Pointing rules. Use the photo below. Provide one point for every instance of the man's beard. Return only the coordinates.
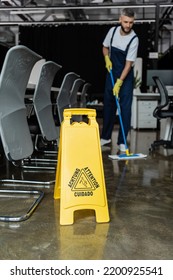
(126, 32)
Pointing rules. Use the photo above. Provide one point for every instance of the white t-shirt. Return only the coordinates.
(121, 42)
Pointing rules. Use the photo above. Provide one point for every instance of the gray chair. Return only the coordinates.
(84, 92)
(15, 134)
(74, 92)
(14, 130)
(63, 97)
(43, 105)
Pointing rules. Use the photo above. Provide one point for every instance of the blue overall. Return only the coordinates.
(118, 58)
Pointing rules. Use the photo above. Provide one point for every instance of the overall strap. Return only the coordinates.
(130, 42)
(113, 35)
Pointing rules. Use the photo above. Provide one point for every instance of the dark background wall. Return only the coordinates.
(3, 50)
(78, 48)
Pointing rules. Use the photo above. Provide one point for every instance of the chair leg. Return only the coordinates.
(15, 182)
(49, 148)
(167, 144)
(25, 216)
(32, 163)
(172, 138)
(24, 169)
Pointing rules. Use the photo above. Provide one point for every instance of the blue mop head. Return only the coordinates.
(127, 157)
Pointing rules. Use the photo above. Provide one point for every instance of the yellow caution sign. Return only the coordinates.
(80, 182)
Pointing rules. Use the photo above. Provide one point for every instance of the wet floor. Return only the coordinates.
(140, 203)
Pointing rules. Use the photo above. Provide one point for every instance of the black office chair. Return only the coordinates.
(163, 110)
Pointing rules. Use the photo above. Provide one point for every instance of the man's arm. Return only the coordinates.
(105, 51)
(119, 81)
(126, 70)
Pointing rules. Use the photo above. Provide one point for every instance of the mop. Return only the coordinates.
(127, 154)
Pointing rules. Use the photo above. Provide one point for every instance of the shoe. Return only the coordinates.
(104, 141)
(122, 147)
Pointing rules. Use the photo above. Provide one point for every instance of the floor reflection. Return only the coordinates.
(140, 201)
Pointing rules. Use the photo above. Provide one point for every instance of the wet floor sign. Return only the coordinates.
(80, 182)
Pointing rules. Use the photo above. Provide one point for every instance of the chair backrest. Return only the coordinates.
(35, 73)
(164, 98)
(85, 88)
(63, 97)
(42, 101)
(74, 91)
(14, 130)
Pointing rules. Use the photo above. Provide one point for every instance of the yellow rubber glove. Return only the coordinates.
(108, 63)
(117, 87)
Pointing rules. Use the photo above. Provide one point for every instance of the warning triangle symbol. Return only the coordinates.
(83, 182)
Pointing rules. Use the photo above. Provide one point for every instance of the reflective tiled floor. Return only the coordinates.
(140, 201)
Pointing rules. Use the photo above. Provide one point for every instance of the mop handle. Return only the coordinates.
(119, 112)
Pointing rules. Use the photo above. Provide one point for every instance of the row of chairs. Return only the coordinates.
(15, 132)
(67, 97)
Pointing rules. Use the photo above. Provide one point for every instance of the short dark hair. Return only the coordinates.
(127, 12)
